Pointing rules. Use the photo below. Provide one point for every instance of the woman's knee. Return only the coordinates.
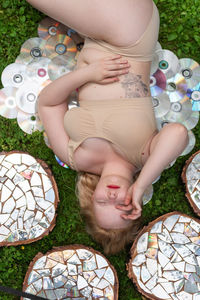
(179, 130)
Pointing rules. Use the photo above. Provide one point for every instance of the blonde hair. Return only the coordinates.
(112, 240)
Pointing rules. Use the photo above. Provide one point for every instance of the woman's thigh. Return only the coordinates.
(119, 22)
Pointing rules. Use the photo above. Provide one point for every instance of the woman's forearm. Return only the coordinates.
(58, 91)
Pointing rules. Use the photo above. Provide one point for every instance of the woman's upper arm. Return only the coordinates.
(53, 121)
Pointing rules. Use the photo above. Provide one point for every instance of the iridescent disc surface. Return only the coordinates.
(191, 144)
(14, 75)
(26, 97)
(194, 95)
(33, 48)
(73, 272)
(60, 65)
(49, 27)
(29, 123)
(179, 111)
(37, 69)
(192, 121)
(165, 257)
(28, 198)
(190, 70)
(161, 105)
(154, 64)
(176, 88)
(60, 45)
(8, 107)
(157, 83)
(147, 195)
(168, 62)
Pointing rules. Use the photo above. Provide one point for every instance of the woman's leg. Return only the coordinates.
(116, 21)
(165, 147)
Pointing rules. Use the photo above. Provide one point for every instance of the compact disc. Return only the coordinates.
(20, 60)
(29, 122)
(158, 46)
(192, 121)
(33, 48)
(161, 122)
(60, 65)
(170, 164)
(73, 100)
(154, 64)
(179, 111)
(176, 88)
(14, 75)
(78, 40)
(8, 107)
(38, 69)
(168, 62)
(61, 163)
(26, 96)
(194, 95)
(60, 45)
(49, 27)
(191, 143)
(190, 70)
(161, 105)
(157, 83)
(46, 140)
(148, 194)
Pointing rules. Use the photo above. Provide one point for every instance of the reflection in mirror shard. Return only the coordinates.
(38, 285)
(44, 272)
(179, 227)
(101, 262)
(33, 277)
(58, 256)
(168, 286)
(166, 249)
(195, 226)
(46, 183)
(89, 276)
(59, 281)
(152, 253)
(170, 222)
(142, 243)
(35, 179)
(84, 254)
(50, 294)
(72, 269)
(191, 259)
(195, 240)
(97, 293)
(58, 269)
(8, 206)
(162, 259)
(37, 167)
(95, 282)
(86, 291)
(178, 285)
(153, 241)
(159, 291)
(50, 196)
(173, 275)
(196, 198)
(81, 282)
(189, 231)
(139, 259)
(47, 283)
(27, 174)
(179, 238)
(50, 263)
(109, 276)
(18, 178)
(165, 236)
(190, 287)
(145, 275)
(152, 282)
(184, 296)
(191, 185)
(192, 173)
(180, 266)
(74, 260)
(182, 250)
(151, 265)
(67, 254)
(5, 194)
(50, 213)
(143, 287)
(9, 184)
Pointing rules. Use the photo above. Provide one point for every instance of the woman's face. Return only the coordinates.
(110, 191)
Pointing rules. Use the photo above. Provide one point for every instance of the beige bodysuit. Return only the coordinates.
(128, 123)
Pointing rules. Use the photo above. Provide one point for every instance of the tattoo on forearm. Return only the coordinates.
(134, 86)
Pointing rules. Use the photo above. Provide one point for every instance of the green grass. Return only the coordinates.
(179, 32)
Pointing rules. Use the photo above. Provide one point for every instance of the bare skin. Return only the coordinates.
(98, 77)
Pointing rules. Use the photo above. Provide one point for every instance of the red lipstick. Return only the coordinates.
(113, 186)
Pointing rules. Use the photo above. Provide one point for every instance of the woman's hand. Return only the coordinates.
(132, 203)
(108, 70)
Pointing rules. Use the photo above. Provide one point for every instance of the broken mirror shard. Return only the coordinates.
(191, 178)
(165, 261)
(28, 198)
(60, 274)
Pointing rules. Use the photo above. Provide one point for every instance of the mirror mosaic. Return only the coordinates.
(191, 178)
(165, 258)
(28, 199)
(72, 272)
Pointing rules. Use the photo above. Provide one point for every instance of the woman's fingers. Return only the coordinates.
(124, 207)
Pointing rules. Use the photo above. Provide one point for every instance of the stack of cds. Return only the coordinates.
(41, 60)
(175, 90)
